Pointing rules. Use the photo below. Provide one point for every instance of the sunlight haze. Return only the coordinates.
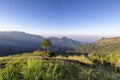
(61, 17)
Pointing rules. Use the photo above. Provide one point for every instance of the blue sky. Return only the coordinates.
(61, 17)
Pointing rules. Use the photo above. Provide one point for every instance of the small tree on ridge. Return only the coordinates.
(46, 43)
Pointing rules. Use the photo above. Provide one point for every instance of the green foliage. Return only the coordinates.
(103, 52)
(0, 74)
(39, 70)
(12, 71)
(35, 69)
(92, 74)
(96, 48)
(46, 43)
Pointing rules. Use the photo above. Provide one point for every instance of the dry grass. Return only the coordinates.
(39, 52)
(118, 63)
(81, 58)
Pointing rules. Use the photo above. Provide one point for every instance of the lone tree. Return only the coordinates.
(46, 43)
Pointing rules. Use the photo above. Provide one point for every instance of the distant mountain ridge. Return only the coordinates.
(64, 41)
(104, 45)
(108, 40)
(18, 42)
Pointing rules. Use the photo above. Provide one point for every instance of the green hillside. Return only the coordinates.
(101, 63)
(39, 66)
(108, 40)
(104, 45)
(104, 50)
(99, 48)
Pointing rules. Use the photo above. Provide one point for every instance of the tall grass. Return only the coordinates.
(81, 58)
(39, 70)
(36, 69)
(57, 69)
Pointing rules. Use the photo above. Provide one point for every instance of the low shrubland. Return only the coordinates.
(37, 69)
(39, 66)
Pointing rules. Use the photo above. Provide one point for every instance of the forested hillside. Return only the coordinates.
(97, 48)
(19, 42)
(104, 45)
(108, 40)
(104, 50)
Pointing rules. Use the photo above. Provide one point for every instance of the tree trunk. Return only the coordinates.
(48, 50)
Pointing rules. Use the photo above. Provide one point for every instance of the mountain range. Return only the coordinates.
(19, 42)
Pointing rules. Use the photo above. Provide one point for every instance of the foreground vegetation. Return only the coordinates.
(38, 66)
(54, 70)
(38, 70)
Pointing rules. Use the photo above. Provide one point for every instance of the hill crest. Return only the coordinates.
(108, 40)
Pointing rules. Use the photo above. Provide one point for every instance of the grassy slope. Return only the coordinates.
(31, 66)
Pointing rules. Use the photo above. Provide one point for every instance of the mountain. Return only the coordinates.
(104, 45)
(64, 41)
(108, 40)
(18, 42)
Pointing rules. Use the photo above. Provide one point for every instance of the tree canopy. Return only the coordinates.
(46, 43)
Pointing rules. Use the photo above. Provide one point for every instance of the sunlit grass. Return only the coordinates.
(29, 66)
(39, 70)
(81, 58)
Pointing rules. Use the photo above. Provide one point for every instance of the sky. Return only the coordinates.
(61, 17)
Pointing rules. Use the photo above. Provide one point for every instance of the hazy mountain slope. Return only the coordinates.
(64, 41)
(104, 45)
(108, 40)
(17, 42)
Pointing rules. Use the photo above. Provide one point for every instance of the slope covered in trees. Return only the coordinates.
(104, 45)
(104, 50)
(108, 40)
(98, 48)
(19, 42)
